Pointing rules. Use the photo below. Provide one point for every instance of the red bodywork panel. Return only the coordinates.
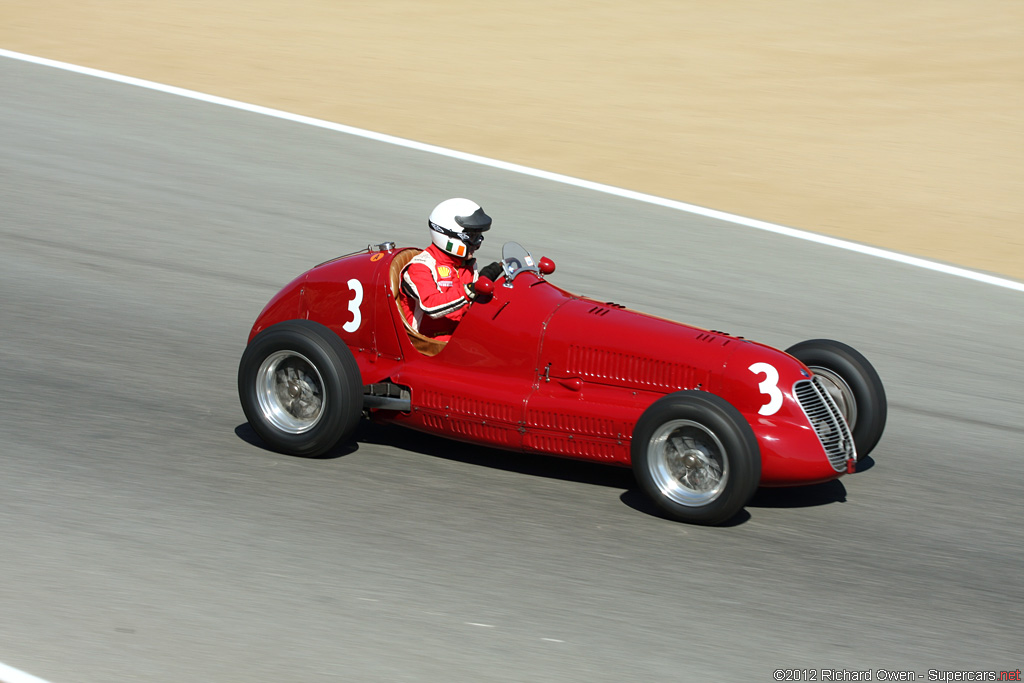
(538, 369)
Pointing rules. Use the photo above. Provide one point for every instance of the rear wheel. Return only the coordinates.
(852, 382)
(696, 457)
(300, 388)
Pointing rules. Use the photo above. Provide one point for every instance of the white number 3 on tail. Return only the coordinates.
(353, 306)
(769, 387)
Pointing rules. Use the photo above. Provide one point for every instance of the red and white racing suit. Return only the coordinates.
(433, 296)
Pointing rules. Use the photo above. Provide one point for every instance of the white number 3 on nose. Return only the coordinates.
(769, 387)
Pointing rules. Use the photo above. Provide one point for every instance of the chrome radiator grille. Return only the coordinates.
(827, 421)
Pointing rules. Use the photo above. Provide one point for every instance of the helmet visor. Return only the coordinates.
(478, 220)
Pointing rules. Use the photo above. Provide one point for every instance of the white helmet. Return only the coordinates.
(457, 226)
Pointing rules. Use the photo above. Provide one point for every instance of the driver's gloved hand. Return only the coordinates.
(492, 271)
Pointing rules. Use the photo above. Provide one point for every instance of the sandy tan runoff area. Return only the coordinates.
(898, 124)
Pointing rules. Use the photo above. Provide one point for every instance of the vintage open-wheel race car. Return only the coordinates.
(702, 417)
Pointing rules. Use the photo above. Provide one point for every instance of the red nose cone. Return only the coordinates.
(546, 265)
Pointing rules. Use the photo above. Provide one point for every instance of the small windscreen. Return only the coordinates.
(515, 259)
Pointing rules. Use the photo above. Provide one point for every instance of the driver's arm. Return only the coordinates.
(436, 301)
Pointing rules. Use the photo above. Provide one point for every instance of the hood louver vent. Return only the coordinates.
(623, 368)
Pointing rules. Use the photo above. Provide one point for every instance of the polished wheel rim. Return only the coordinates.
(840, 392)
(688, 462)
(290, 392)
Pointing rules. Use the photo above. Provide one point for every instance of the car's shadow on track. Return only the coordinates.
(564, 469)
(800, 496)
(246, 433)
(415, 442)
(864, 464)
(788, 497)
(530, 464)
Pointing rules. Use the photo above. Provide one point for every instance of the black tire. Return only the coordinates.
(696, 457)
(300, 388)
(853, 382)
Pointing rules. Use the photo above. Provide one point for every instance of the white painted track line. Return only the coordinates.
(525, 170)
(9, 674)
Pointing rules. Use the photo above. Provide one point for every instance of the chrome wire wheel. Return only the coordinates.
(290, 392)
(840, 392)
(300, 388)
(688, 462)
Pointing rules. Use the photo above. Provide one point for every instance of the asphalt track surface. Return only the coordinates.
(147, 536)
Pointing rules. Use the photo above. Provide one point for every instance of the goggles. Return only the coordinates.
(471, 238)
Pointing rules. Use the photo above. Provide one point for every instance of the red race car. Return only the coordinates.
(702, 417)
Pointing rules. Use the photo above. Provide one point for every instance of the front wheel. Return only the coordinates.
(300, 388)
(696, 457)
(852, 382)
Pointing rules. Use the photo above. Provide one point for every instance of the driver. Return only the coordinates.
(437, 285)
